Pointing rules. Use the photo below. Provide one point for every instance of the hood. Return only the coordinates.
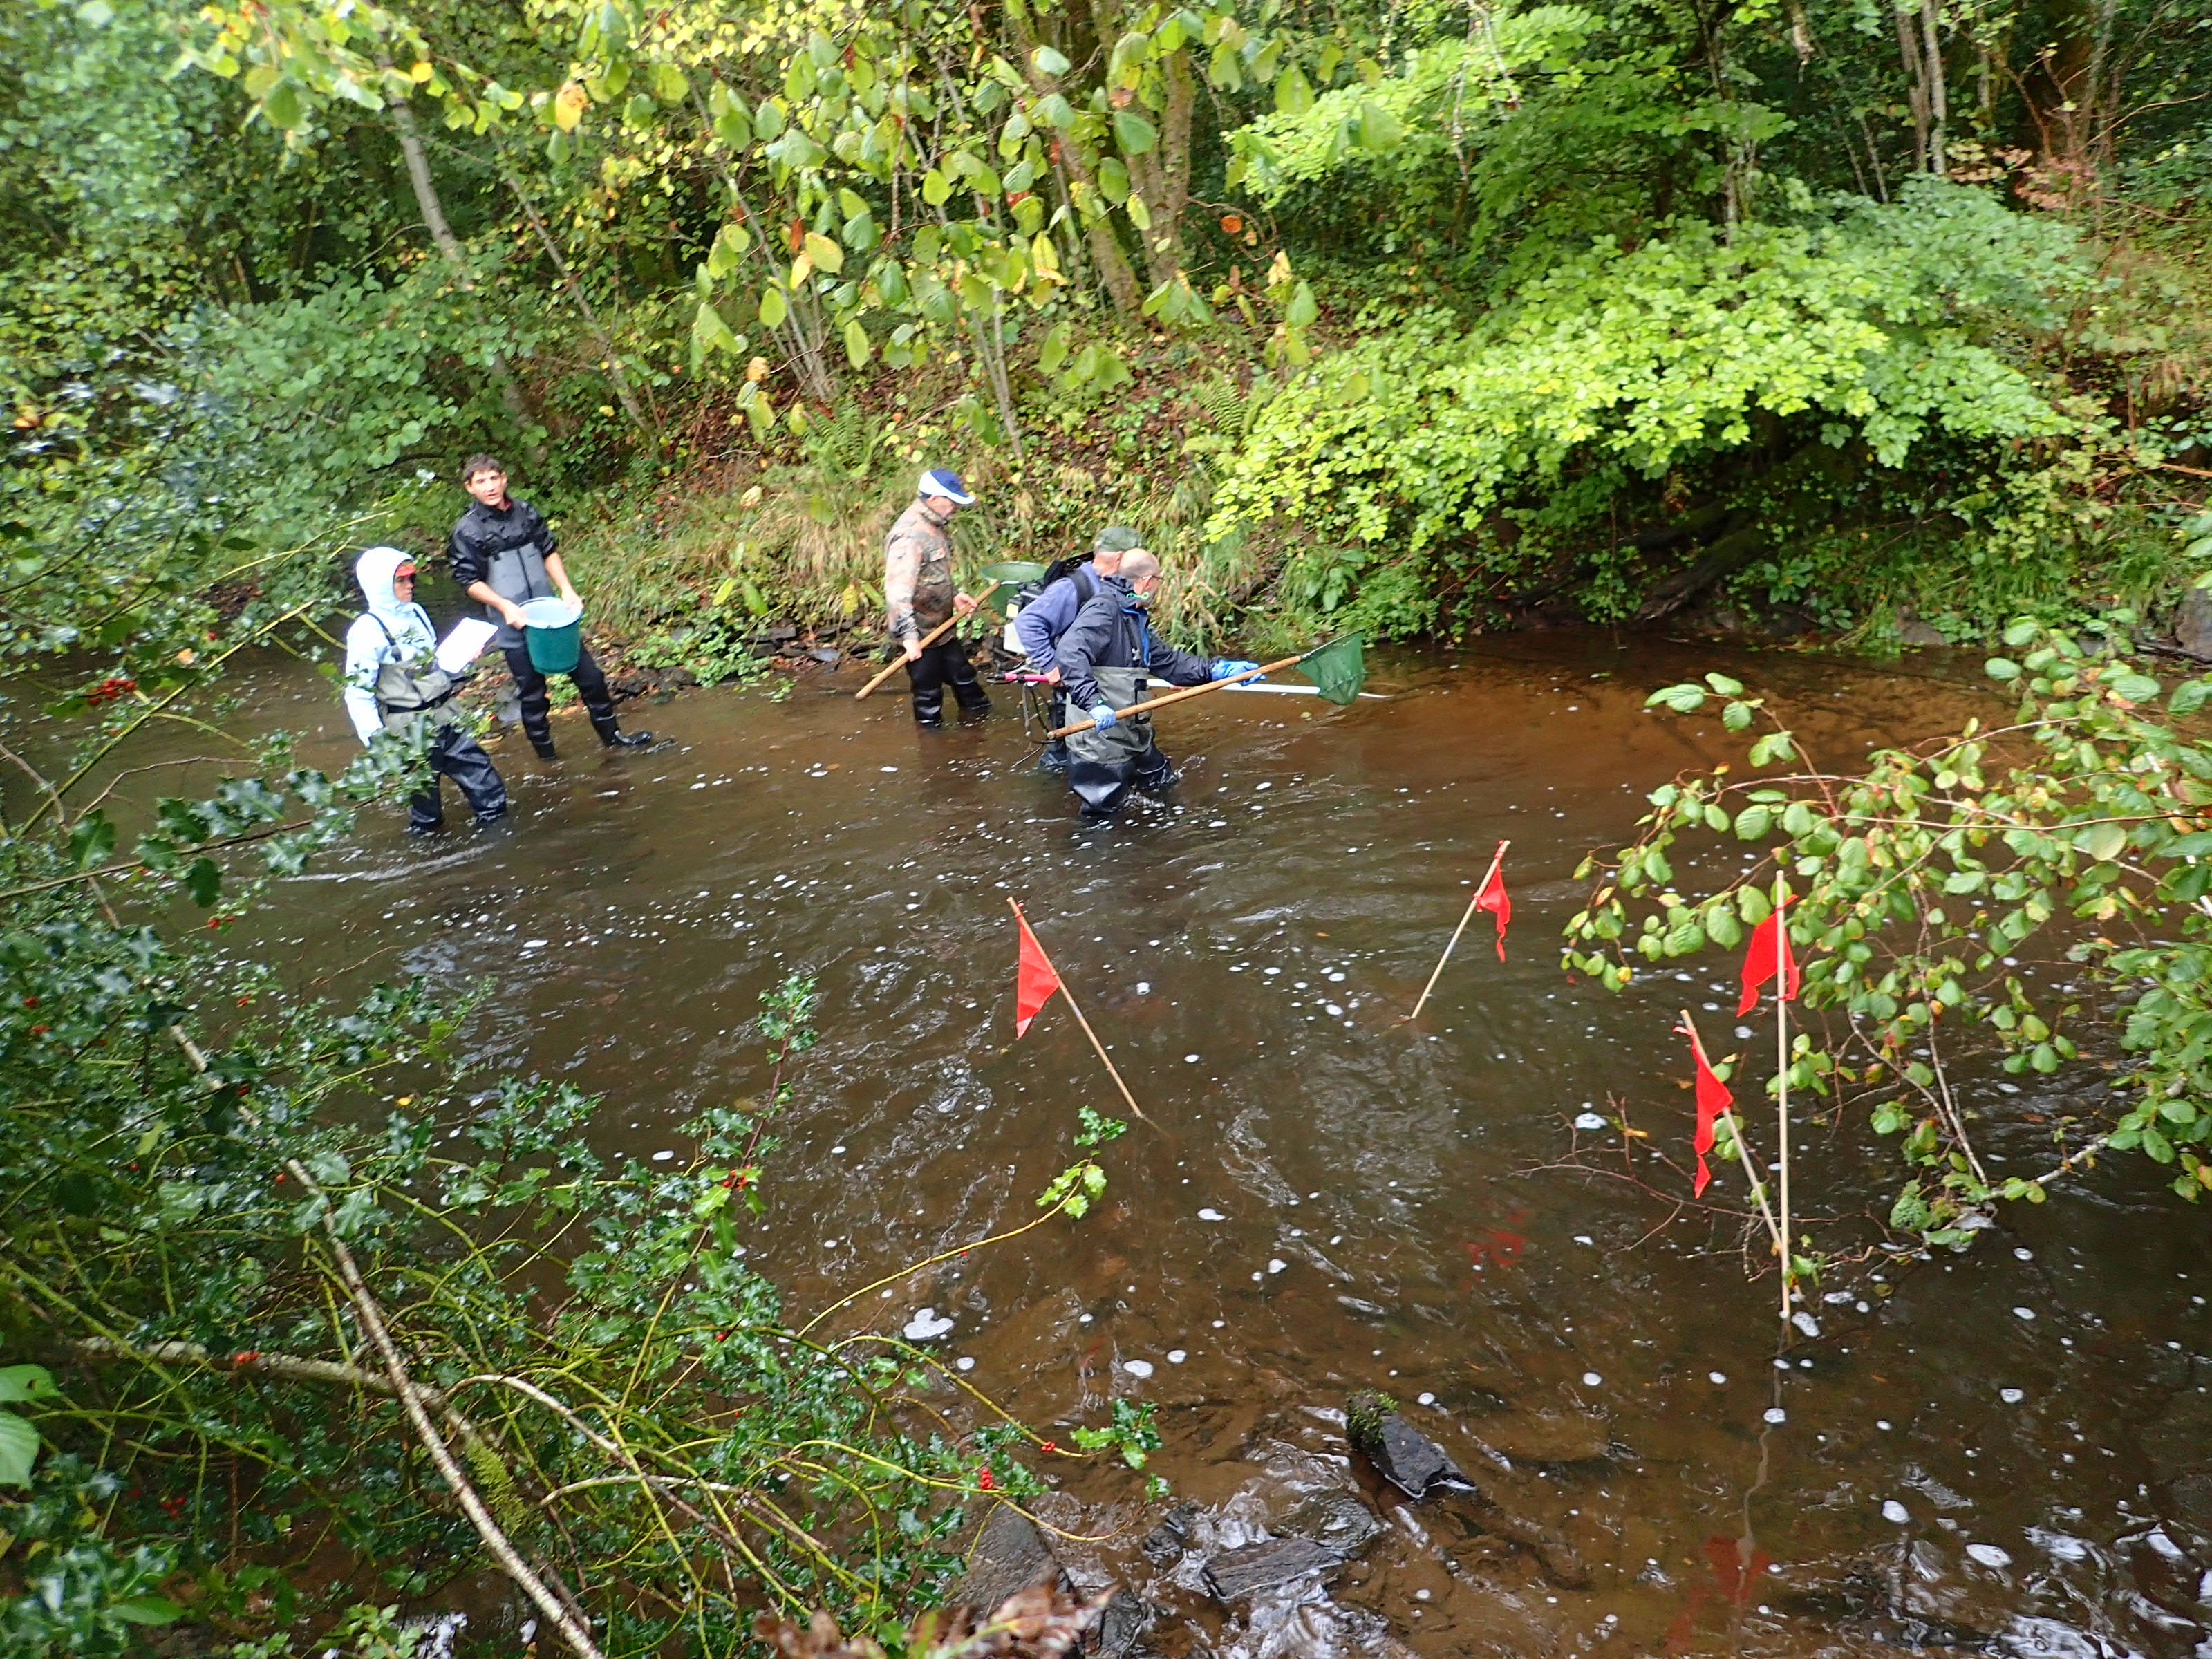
(373, 570)
(1118, 586)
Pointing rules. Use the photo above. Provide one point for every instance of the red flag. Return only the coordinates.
(1034, 977)
(1768, 939)
(1713, 1099)
(1494, 899)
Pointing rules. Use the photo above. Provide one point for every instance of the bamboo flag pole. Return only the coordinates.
(900, 661)
(1453, 943)
(1782, 1073)
(1187, 691)
(1742, 1147)
(1074, 1009)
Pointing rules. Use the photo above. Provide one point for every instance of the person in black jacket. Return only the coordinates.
(1105, 657)
(504, 554)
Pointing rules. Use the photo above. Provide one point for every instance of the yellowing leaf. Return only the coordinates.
(826, 254)
(568, 105)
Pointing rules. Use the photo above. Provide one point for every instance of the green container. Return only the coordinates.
(1007, 577)
(553, 635)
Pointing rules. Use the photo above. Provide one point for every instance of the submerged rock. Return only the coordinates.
(1235, 1574)
(1010, 1554)
(1166, 1542)
(1339, 1521)
(1545, 1437)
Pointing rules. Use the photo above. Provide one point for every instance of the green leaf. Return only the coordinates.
(774, 308)
(1379, 130)
(203, 881)
(856, 345)
(826, 254)
(19, 1450)
(1773, 748)
(1054, 352)
(2002, 668)
(1303, 310)
(1684, 699)
(2135, 687)
(22, 1382)
(282, 107)
(1046, 61)
(2188, 697)
(2105, 841)
(1724, 685)
(1294, 94)
(1133, 134)
(91, 840)
(936, 188)
(147, 1610)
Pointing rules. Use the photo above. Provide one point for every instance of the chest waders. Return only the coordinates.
(413, 703)
(517, 575)
(1103, 766)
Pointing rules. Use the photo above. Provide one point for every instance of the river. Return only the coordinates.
(2005, 1447)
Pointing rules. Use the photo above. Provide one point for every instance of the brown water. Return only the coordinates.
(1335, 1199)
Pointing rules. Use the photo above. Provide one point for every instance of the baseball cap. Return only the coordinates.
(1116, 539)
(943, 481)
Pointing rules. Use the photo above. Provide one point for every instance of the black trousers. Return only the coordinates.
(1054, 758)
(454, 754)
(1103, 786)
(943, 663)
(530, 686)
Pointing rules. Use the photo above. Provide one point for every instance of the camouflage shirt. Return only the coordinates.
(917, 573)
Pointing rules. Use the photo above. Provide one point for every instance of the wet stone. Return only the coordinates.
(1235, 1574)
(1339, 1521)
(1120, 1625)
(1401, 1453)
(2192, 623)
(1010, 1555)
(1166, 1542)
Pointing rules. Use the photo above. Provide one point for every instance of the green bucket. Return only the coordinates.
(1005, 579)
(551, 632)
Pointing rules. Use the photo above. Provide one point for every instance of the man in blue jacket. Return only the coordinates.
(1045, 618)
(1104, 659)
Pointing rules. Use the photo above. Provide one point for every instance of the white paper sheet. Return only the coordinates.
(464, 644)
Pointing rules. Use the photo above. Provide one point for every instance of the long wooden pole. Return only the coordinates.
(1072, 1009)
(1782, 1073)
(1453, 944)
(900, 661)
(1187, 691)
(1742, 1147)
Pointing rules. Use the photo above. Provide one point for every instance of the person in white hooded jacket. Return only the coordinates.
(393, 684)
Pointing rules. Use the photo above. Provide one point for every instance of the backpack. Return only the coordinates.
(1030, 592)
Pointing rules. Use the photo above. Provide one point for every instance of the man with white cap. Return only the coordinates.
(919, 594)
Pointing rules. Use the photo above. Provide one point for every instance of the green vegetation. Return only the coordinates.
(1394, 316)
(2028, 897)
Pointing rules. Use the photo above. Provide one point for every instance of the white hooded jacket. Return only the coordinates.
(387, 632)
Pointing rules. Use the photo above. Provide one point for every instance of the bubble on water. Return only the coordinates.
(927, 1326)
(1276, 1264)
(966, 1362)
(1267, 786)
(535, 943)
(1211, 1215)
(1881, 1423)
(1271, 971)
(1590, 1120)
(1190, 1060)
(1776, 1414)
(890, 769)
(1427, 1400)
(2023, 1313)
(2023, 1253)
(1144, 988)
(2011, 1396)
(1139, 1368)
(1177, 1356)
(662, 1156)
(1332, 1011)
(1716, 1378)
(1989, 1555)
(1584, 1238)
(1336, 979)
(1805, 1322)
(1591, 1379)
(836, 1151)
(1743, 1032)
(1893, 1510)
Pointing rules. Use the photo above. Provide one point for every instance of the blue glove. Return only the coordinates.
(1103, 717)
(1225, 666)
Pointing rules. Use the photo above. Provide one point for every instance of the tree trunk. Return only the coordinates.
(1112, 264)
(1939, 95)
(1916, 71)
(432, 210)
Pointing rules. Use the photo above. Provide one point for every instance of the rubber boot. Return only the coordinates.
(615, 737)
(929, 707)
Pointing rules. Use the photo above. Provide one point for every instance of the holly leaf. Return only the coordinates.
(92, 840)
(203, 881)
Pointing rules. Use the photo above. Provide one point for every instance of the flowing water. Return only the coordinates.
(2004, 1449)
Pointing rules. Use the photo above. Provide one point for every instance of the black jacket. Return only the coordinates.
(1109, 633)
(483, 531)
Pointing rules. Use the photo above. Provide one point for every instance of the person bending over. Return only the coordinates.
(392, 684)
(505, 555)
(1104, 659)
(1065, 588)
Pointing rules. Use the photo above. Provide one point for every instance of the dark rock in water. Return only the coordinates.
(1401, 1453)
(1341, 1521)
(1864, 1604)
(1234, 1574)
(1010, 1554)
(1120, 1625)
(826, 654)
(2192, 622)
(1167, 1542)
